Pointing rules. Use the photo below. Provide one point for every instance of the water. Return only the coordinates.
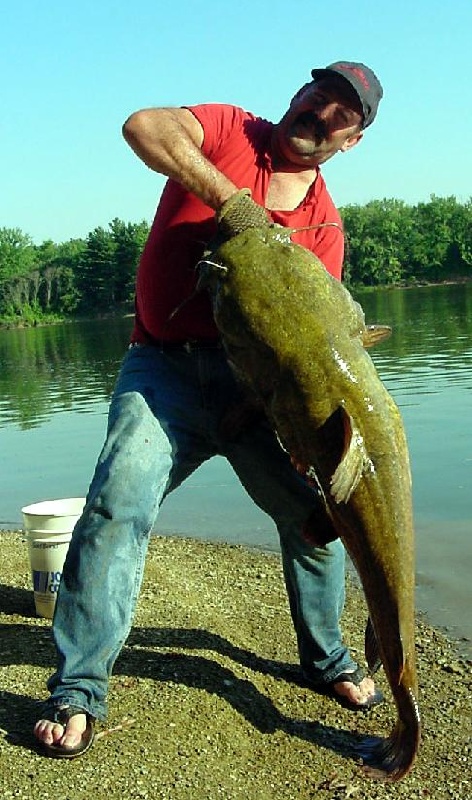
(55, 385)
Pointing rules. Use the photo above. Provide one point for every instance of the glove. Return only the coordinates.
(236, 215)
(239, 213)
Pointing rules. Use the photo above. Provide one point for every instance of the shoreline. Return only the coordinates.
(352, 288)
(459, 641)
(209, 677)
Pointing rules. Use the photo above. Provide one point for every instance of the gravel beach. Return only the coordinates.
(204, 700)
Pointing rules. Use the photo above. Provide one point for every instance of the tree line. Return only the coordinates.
(51, 281)
(388, 242)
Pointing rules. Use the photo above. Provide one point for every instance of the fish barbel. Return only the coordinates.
(295, 335)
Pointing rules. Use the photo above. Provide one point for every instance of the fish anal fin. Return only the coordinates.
(354, 462)
(398, 661)
(371, 648)
(373, 334)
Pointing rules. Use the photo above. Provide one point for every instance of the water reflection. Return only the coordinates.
(431, 346)
(58, 368)
(71, 366)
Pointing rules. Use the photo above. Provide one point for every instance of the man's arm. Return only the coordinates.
(169, 141)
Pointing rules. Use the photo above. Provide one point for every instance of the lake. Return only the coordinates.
(56, 382)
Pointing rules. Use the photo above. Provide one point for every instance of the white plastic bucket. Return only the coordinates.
(47, 554)
(53, 515)
(49, 525)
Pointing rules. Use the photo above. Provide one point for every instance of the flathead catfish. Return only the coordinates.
(296, 336)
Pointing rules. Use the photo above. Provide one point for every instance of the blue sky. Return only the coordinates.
(72, 73)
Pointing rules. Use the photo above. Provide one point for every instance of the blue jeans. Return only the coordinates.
(164, 421)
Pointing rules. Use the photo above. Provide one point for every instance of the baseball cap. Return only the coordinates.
(364, 82)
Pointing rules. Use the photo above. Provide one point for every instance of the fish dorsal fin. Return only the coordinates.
(354, 462)
(373, 334)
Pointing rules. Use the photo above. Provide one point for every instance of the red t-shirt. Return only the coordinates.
(238, 144)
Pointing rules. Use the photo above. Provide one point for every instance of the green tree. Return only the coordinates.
(96, 275)
(460, 251)
(17, 262)
(59, 266)
(69, 255)
(433, 237)
(375, 252)
(129, 239)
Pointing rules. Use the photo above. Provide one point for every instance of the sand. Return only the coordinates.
(204, 700)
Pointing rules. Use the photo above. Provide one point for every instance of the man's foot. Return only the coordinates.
(352, 689)
(356, 690)
(64, 731)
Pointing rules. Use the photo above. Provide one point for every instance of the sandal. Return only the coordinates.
(356, 678)
(62, 715)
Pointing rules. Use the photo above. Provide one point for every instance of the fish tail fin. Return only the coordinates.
(371, 648)
(392, 758)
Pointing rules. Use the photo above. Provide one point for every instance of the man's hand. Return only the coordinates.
(239, 213)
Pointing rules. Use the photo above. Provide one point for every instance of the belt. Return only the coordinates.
(188, 345)
(191, 345)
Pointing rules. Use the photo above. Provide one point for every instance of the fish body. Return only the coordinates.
(296, 336)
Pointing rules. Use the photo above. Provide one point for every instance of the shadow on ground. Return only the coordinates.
(30, 645)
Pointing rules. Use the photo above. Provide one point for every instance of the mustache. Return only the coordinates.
(310, 118)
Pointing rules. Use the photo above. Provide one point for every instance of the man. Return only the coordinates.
(177, 403)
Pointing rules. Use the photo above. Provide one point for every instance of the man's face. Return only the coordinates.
(324, 117)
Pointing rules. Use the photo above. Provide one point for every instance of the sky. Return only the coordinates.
(72, 72)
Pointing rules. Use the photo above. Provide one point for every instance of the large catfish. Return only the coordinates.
(296, 336)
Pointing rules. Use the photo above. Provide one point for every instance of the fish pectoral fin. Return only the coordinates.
(353, 464)
(373, 334)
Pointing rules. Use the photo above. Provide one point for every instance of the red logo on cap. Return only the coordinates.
(358, 73)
